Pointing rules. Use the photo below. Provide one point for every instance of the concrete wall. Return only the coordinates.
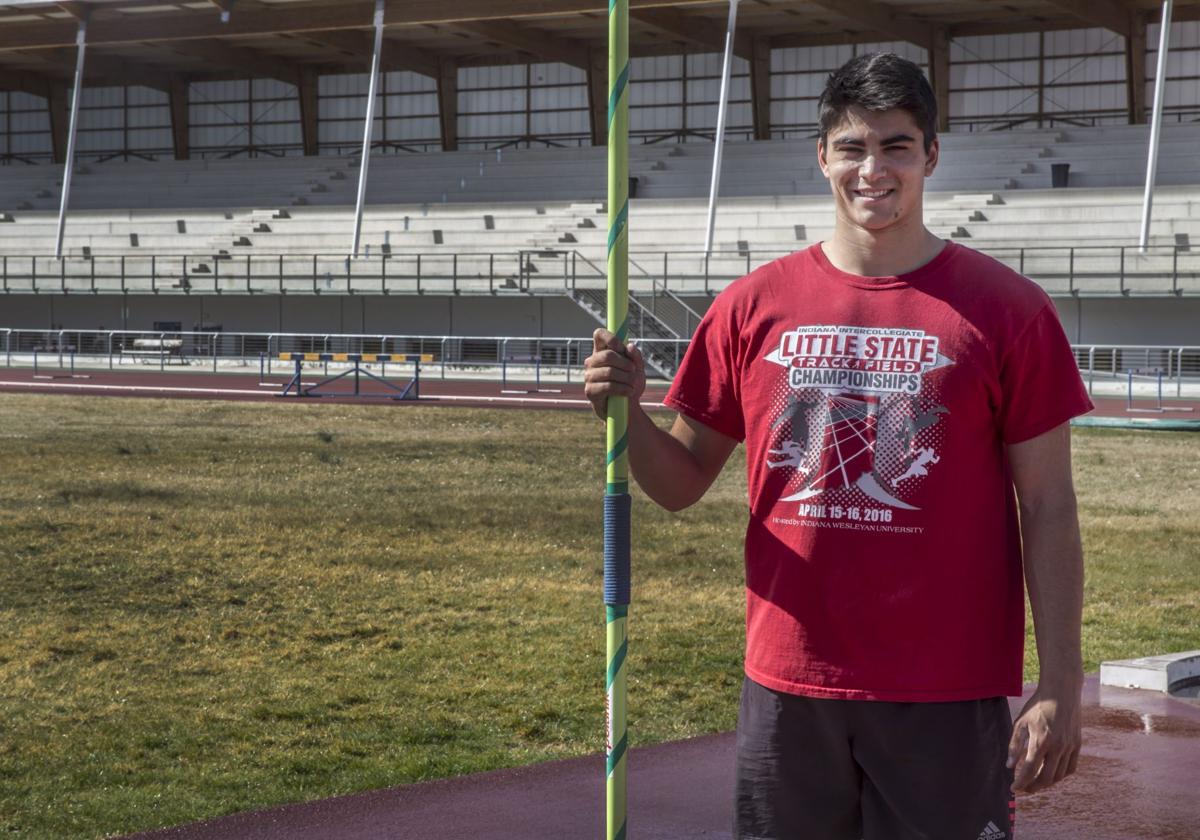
(394, 315)
(1158, 321)
(1155, 321)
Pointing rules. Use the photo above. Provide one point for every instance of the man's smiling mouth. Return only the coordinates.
(873, 193)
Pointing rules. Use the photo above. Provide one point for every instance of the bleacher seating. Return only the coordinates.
(988, 162)
(534, 220)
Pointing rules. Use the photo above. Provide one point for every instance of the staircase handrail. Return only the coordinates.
(647, 314)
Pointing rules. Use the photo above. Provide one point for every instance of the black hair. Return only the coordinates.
(878, 82)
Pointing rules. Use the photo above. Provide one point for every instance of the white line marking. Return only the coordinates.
(159, 389)
(529, 400)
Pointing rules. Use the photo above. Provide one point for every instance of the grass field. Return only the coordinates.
(210, 607)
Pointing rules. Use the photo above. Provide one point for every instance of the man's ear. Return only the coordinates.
(931, 159)
(821, 161)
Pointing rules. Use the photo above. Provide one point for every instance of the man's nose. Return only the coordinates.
(869, 166)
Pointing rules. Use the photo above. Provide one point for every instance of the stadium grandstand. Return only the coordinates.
(215, 156)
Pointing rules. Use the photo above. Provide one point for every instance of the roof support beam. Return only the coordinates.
(760, 87)
(132, 73)
(543, 45)
(935, 39)
(309, 125)
(447, 91)
(105, 69)
(1113, 15)
(700, 32)
(358, 46)
(1135, 71)
(597, 85)
(823, 39)
(59, 106)
(880, 18)
(1017, 25)
(75, 9)
(939, 72)
(180, 99)
(350, 14)
(30, 83)
(250, 62)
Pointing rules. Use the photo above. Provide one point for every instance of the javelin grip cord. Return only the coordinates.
(617, 517)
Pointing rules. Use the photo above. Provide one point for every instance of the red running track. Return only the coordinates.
(1137, 779)
(231, 386)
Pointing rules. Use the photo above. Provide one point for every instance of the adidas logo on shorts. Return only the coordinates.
(991, 832)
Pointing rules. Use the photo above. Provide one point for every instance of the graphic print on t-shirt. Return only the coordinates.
(856, 422)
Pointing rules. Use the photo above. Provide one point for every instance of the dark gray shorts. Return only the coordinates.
(810, 769)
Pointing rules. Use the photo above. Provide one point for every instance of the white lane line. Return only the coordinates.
(165, 389)
(156, 389)
(527, 400)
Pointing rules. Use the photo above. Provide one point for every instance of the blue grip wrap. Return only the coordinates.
(617, 508)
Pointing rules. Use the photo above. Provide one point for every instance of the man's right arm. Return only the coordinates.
(674, 468)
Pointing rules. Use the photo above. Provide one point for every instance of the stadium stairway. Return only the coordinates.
(661, 316)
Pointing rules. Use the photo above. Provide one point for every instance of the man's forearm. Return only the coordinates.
(1054, 575)
(662, 466)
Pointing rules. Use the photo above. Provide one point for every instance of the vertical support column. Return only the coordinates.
(722, 109)
(760, 87)
(180, 100)
(1160, 84)
(447, 91)
(368, 125)
(69, 163)
(1135, 69)
(597, 85)
(306, 91)
(939, 69)
(617, 502)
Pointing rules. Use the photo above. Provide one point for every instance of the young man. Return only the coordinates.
(901, 398)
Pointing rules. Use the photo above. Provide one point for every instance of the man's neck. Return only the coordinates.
(880, 253)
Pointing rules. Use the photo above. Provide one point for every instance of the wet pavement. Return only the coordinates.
(1138, 777)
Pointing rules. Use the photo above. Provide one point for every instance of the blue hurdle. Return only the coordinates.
(1158, 407)
(411, 390)
(536, 361)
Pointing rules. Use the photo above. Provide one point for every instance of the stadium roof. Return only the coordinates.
(152, 41)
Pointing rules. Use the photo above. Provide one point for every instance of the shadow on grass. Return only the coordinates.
(117, 491)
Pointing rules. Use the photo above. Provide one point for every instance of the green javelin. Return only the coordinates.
(616, 498)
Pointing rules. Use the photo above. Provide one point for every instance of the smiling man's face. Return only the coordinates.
(877, 165)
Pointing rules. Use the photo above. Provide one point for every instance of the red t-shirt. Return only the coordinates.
(883, 554)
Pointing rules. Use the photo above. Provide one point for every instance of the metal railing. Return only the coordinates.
(379, 273)
(1099, 270)
(1099, 364)
(1113, 362)
(1085, 270)
(125, 349)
